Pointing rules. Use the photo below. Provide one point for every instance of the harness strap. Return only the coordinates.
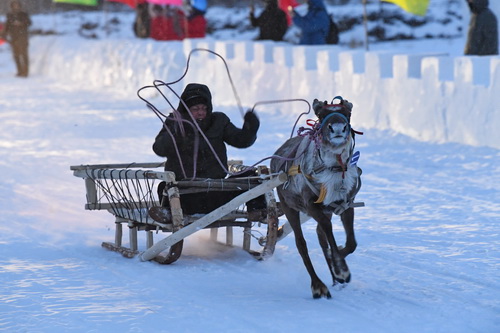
(342, 165)
(296, 169)
(322, 194)
(335, 113)
(339, 207)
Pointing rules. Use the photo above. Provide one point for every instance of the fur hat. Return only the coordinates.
(195, 100)
(195, 93)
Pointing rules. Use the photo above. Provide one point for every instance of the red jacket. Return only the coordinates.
(169, 27)
(159, 28)
(284, 4)
(196, 27)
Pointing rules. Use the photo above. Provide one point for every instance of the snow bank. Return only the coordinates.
(428, 96)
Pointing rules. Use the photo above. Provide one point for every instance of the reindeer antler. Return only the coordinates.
(347, 104)
(317, 106)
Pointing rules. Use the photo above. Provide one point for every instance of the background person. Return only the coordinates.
(158, 23)
(176, 23)
(482, 37)
(314, 25)
(1, 33)
(142, 23)
(196, 22)
(16, 33)
(167, 23)
(272, 21)
(285, 5)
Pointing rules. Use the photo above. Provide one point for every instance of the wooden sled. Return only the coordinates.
(128, 191)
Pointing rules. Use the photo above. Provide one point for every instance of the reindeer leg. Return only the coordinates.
(318, 288)
(323, 242)
(340, 269)
(347, 218)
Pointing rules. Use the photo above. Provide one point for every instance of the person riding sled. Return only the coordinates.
(182, 141)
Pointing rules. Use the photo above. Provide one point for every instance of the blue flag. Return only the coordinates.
(354, 158)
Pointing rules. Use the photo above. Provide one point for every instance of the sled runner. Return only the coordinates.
(129, 192)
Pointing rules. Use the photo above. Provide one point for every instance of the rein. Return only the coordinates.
(314, 133)
(157, 84)
(333, 114)
(321, 186)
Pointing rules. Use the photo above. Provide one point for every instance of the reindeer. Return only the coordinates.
(323, 180)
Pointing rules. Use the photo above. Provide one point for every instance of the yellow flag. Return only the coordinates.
(417, 7)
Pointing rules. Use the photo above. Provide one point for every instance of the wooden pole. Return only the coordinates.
(105, 11)
(118, 234)
(365, 24)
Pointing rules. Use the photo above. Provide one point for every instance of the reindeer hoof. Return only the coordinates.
(318, 295)
(320, 291)
(342, 275)
(343, 279)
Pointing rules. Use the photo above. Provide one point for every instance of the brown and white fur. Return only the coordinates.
(316, 163)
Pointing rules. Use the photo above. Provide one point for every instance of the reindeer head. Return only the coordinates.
(335, 121)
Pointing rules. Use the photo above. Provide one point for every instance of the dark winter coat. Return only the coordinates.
(314, 25)
(482, 38)
(217, 128)
(142, 21)
(16, 27)
(272, 22)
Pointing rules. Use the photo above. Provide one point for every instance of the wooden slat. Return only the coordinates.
(247, 238)
(124, 251)
(213, 234)
(229, 236)
(110, 206)
(124, 174)
(215, 183)
(148, 165)
(118, 234)
(132, 235)
(149, 239)
(91, 190)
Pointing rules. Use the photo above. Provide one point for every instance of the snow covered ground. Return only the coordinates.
(428, 239)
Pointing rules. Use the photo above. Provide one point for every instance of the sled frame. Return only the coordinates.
(134, 212)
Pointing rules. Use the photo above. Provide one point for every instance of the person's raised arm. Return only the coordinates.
(246, 136)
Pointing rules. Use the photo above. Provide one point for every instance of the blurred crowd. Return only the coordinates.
(316, 25)
(187, 20)
(170, 22)
(178, 19)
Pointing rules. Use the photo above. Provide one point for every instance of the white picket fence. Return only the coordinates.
(431, 97)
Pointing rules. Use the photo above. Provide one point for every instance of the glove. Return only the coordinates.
(251, 121)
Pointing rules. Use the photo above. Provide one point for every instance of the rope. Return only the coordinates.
(168, 84)
(252, 231)
(285, 101)
(314, 132)
(157, 84)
